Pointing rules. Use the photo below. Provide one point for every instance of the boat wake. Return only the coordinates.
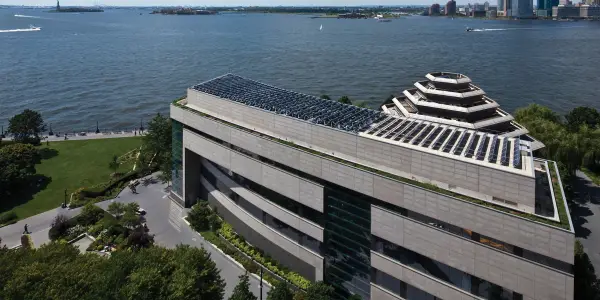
(25, 16)
(21, 30)
(490, 29)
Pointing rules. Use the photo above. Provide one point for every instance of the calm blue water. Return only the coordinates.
(117, 67)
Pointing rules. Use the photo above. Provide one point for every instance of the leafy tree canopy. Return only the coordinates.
(345, 100)
(580, 116)
(326, 97)
(319, 291)
(58, 271)
(242, 289)
(158, 138)
(26, 127)
(17, 165)
(280, 291)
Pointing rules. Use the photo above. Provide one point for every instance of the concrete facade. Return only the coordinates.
(516, 188)
(527, 278)
(276, 211)
(537, 237)
(291, 247)
(259, 145)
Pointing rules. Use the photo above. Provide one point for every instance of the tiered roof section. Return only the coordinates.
(473, 146)
(452, 99)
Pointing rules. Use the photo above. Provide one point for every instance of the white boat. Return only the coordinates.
(321, 28)
(34, 28)
(380, 18)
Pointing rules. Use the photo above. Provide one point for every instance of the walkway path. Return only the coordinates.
(88, 136)
(586, 216)
(164, 218)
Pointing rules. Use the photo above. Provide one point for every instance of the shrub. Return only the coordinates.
(8, 217)
(90, 214)
(199, 216)
(95, 229)
(59, 227)
(74, 232)
(26, 241)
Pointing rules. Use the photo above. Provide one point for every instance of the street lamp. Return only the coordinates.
(97, 129)
(141, 124)
(50, 133)
(260, 284)
(2, 136)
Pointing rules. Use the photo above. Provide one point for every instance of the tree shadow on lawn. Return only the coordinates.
(26, 192)
(47, 153)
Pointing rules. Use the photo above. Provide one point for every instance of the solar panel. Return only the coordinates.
(414, 132)
(382, 125)
(423, 134)
(517, 153)
(482, 148)
(388, 128)
(399, 128)
(430, 138)
(404, 132)
(471, 147)
(441, 139)
(319, 111)
(493, 150)
(462, 142)
(451, 141)
(504, 157)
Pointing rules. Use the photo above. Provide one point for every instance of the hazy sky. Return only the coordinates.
(223, 2)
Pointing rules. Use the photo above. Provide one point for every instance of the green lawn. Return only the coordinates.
(71, 165)
(594, 176)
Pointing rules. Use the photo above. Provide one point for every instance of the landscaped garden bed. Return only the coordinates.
(121, 227)
(219, 233)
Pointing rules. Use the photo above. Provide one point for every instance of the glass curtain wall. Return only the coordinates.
(177, 157)
(348, 244)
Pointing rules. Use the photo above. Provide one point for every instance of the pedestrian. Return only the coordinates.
(47, 143)
(26, 231)
(135, 132)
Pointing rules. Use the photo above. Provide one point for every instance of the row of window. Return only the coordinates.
(272, 222)
(455, 277)
(399, 287)
(476, 237)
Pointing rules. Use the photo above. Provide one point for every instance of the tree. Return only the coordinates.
(362, 104)
(117, 209)
(59, 227)
(345, 100)
(280, 291)
(58, 271)
(587, 285)
(26, 127)
(242, 289)
(199, 216)
(326, 97)
(157, 141)
(535, 111)
(17, 165)
(582, 116)
(114, 164)
(165, 168)
(355, 297)
(319, 291)
(90, 215)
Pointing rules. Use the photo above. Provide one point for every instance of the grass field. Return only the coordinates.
(70, 165)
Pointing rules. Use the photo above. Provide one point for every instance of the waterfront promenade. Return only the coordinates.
(88, 136)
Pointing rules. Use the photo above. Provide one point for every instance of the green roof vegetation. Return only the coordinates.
(563, 223)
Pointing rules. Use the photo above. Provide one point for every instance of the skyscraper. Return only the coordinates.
(501, 5)
(486, 6)
(521, 9)
(451, 8)
(434, 9)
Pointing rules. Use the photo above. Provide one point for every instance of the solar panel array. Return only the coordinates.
(436, 137)
(449, 139)
(309, 108)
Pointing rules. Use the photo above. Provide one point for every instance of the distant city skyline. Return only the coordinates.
(227, 2)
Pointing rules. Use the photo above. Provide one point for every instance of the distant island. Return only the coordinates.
(183, 11)
(75, 9)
